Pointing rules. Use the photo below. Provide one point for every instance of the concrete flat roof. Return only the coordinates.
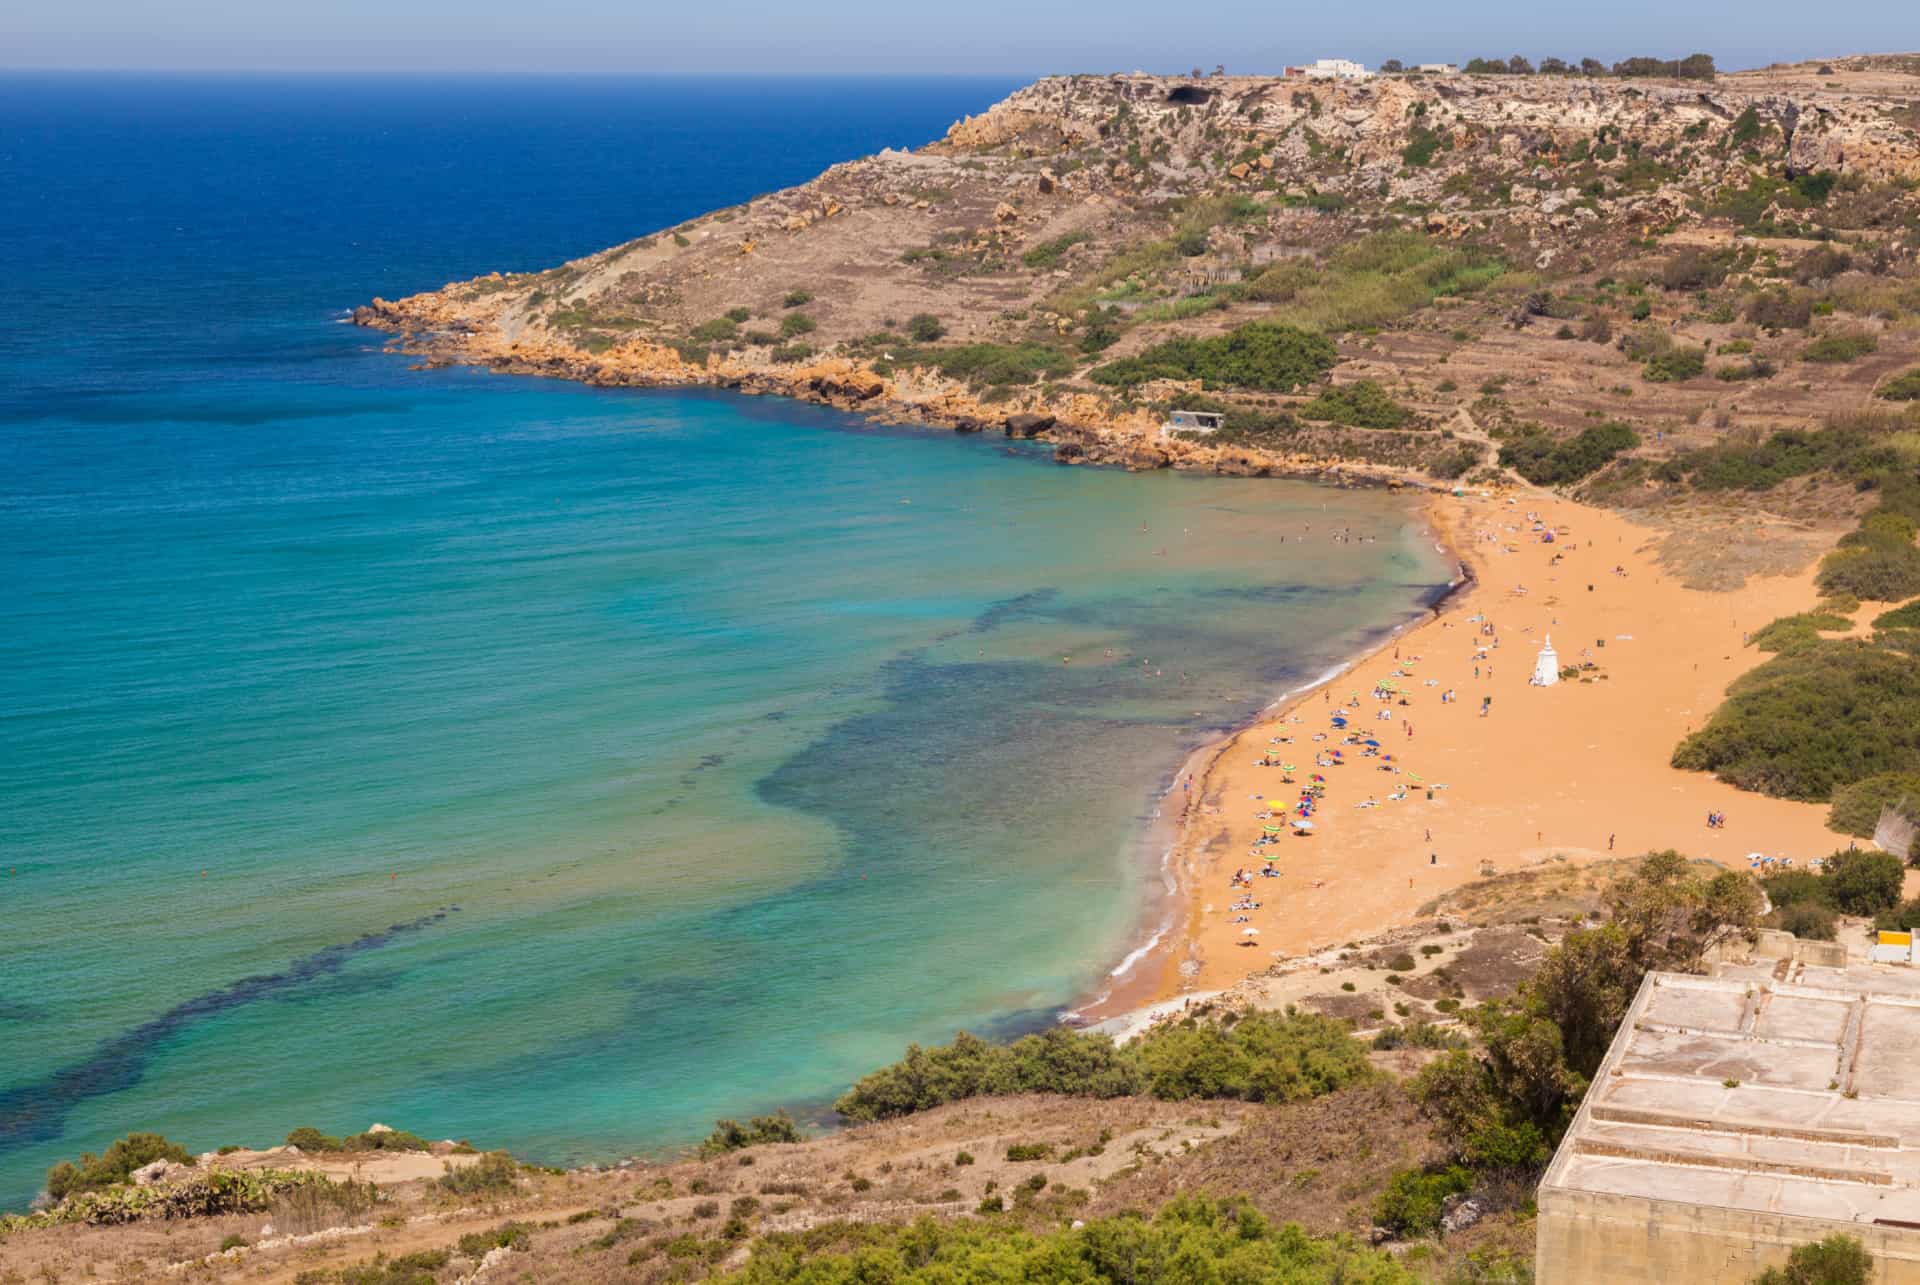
(1774, 1086)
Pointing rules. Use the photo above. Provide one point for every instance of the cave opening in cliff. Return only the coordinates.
(1188, 94)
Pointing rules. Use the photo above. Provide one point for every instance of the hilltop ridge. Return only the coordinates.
(1435, 228)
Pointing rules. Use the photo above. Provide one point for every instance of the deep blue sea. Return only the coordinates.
(556, 767)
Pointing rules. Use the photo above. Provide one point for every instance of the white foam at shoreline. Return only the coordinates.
(1139, 953)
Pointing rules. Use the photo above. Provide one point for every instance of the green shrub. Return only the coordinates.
(1676, 365)
(1873, 573)
(1864, 883)
(114, 1165)
(1837, 1260)
(1361, 404)
(924, 327)
(1371, 282)
(1840, 346)
(308, 1138)
(233, 1240)
(200, 1195)
(739, 315)
(1414, 1198)
(1259, 354)
(1536, 456)
(514, 1236)
(730, 1135)
(1797, 631)
(1264, 1057)
(1021, 1152)
(795, 324)
(1902, 388)
(492, 1173)
(1900, 918)
(1781, 309)
(1693, 270)
(1193, 1238)
(1807, 921)
(1907, 617)
(1857, 807)
(1751, 368)
(387, 1140)
(1422, 146)
(1813, 719)
(1845, 450)
(715, 331)
(1797, 888)
(797, 299)
(1049, 253)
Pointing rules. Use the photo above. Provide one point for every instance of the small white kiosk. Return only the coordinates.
(1546, 666)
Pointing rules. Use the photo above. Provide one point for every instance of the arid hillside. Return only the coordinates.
(1392, 276)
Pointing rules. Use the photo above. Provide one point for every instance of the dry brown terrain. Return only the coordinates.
(1088, 218)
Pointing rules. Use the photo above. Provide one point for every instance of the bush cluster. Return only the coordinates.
(1904, 387)
(1542, 460)
(1853, 883)
(1414, 1199)
(1191, 1238)
(1259, 354)
(1262, 1057)
(731, 1135)
(1841, 346)
(308, 1138)
(1361, 404)
(1789, 632)
(1812, 719)
(203, 1195)
(492, 1173)
(114, 1165)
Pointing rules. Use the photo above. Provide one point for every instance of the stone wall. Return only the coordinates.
(1586, 1238)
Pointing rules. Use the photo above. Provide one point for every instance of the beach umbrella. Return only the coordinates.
(1276, 805)
(1286, 767)
(1249, 932)
(1272, 829)
(1374, 743)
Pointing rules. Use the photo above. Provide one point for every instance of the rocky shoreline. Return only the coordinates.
(1081, 428)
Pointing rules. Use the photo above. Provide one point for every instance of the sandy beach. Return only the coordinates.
(1574, 771)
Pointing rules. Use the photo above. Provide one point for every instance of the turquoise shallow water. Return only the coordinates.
(565, 768)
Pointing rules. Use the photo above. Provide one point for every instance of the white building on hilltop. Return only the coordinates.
(1546, 666)
(1331, 69)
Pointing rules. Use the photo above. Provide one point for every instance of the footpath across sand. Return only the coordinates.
(1579, 770)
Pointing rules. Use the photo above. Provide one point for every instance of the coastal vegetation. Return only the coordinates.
(731, 1135)
(1548, 461)
(1814, 718)
(1260, 355)
(114, 1165)
(1361, 404)
(1191, 1238)
(1375, 281)
(1500, 1109)
(1263, 1057)
(1797, 630)
(308, 1138)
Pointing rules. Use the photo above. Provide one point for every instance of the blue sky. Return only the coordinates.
(998, 37)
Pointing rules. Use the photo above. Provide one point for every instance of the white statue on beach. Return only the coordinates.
(1546, 666)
